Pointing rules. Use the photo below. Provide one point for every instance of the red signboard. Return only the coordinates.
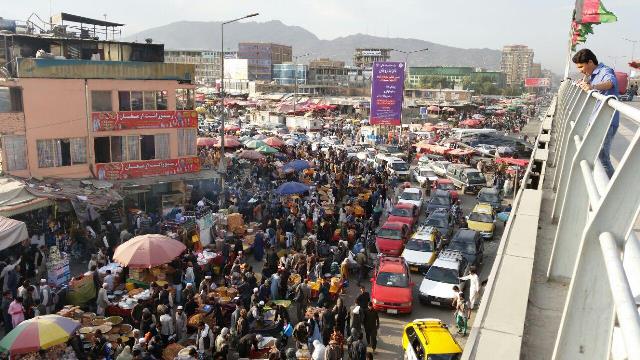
(537, 82)
(155, 119)
(136, 169)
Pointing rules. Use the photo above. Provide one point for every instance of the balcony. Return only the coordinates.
(98, 69)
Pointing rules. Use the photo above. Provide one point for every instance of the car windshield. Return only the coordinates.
(438, 274)
(392, 279)
(475, 176)
(480, 217)
(490, 198)
(419, 245)
(443, 357)
(410, 196)
(465, 247)
(392, 234)
(439, 200)
(436, 222)
(400, 212)
(400, 166)
(446, 186)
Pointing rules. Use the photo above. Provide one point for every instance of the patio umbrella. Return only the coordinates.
(254, 144)
(260, 136)
(39, 333)
(229, 142)
(251, 155)
(292, 187)
(266, 149)
(433, 108)
(147, 251)
(231, 128)
(296, 165)
(274, 141)
(206, 141)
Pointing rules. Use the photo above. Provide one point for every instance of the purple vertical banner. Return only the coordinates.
(387, 91)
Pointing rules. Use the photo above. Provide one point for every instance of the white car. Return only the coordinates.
(440, 167)
(486, 149)
(437, 286)
(420, 251)
(398, 167)
(411, 196)
(423, 173)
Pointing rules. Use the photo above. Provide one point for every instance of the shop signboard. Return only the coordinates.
(537, 82)
(387, 87)
(371, 53)
(153, 119)
(136, 169)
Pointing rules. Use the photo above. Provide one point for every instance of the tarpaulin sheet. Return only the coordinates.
(12, 232)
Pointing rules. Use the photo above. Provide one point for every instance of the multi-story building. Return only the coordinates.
(453, 74)
(124, 115)
(364, 58)
(289, 73)
(536, 70)
(516, 63)
(328, 72)
(207, 63)
(262, 56)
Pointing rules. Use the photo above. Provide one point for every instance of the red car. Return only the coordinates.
(446, 184)
(391, 237)
(405, 213)
(391, 286)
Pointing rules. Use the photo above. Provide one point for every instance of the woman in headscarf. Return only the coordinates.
(222, 341)
(258, 246)
(318, 350)
(125, 354)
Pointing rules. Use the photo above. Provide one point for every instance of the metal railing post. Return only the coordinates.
(584, 112)
(576, 104)
(588, 317)
(571, 199)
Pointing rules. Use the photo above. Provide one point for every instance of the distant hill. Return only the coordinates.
(206, 35)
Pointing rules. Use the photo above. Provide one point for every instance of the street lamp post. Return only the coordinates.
(295, 77)
(222, 165)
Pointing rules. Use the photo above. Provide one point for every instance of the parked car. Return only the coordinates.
(469, 243)
(411, 195)
(490, 196)
(429, 339)
(483, 220)
(440, 199)
(446, 184)
(440, 167)
(391, 286)
(398, 167)
(421, 249)
(466, 178)
(406, 213)
(391, 237)
(437, 286)
(423, 173)
(443, 220)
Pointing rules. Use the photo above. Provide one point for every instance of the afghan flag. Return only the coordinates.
(593, 12)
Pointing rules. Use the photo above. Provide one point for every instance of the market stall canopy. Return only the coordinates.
(292, 187)
(12, 232)
(436, 149)
(16, 199)
(147, 251)
(206, 141)
(470, 123)
(251, 155)
(433, 108)
(266, 149)
(231, 128)
(512, 161)
(296, 165)
(254, 144)
(260, 136)
(274, 141)
(423, 144)
(461, 152)
(39, 333)
(229, 142)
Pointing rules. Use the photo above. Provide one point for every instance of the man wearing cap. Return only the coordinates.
(187, 292)
(205, 285)
(102, 301)
(181, 324)
(46, 296)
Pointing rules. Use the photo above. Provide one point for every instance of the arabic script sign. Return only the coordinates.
(387, 86)
(155, 119)
(136, 169)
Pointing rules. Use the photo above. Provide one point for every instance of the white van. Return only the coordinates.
(398, 167)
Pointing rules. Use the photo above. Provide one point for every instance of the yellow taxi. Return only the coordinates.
(483, 220)
(424, 339)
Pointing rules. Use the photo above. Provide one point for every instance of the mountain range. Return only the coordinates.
(198, 35)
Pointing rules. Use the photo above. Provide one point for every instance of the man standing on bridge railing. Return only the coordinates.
(602, 79)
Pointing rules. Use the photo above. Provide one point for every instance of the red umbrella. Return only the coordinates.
(470, 123)
(231, 128)
(274, 141)
(206, 141)
(251, 155)
(147, 251)
(229, 142)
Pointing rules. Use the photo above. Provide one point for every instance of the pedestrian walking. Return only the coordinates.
(371, 326)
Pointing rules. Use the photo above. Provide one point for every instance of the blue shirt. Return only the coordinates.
(603, 73)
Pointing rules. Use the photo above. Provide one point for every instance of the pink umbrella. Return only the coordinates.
(274, 141)
(147, 251)
(251, 155)
(206, 141)
(229, 142)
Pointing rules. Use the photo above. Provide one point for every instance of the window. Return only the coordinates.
(101, 101)
(15, 156)
(102, 149)
(184, 99)
(147, 147)
(187, 142)
(124, 99)
(61, 152)
(136, 100)
(125, 148)
(10, 99)
(142, 100)
(161, 100)
(162, 146)
(149, 100)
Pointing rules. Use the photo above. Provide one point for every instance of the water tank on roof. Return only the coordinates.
(7, 25)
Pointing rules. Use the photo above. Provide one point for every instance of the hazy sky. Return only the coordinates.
(540, 24)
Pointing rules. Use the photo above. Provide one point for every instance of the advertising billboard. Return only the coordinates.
(136, 169)
(151, 119)
(537, 82)
(387, 90)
